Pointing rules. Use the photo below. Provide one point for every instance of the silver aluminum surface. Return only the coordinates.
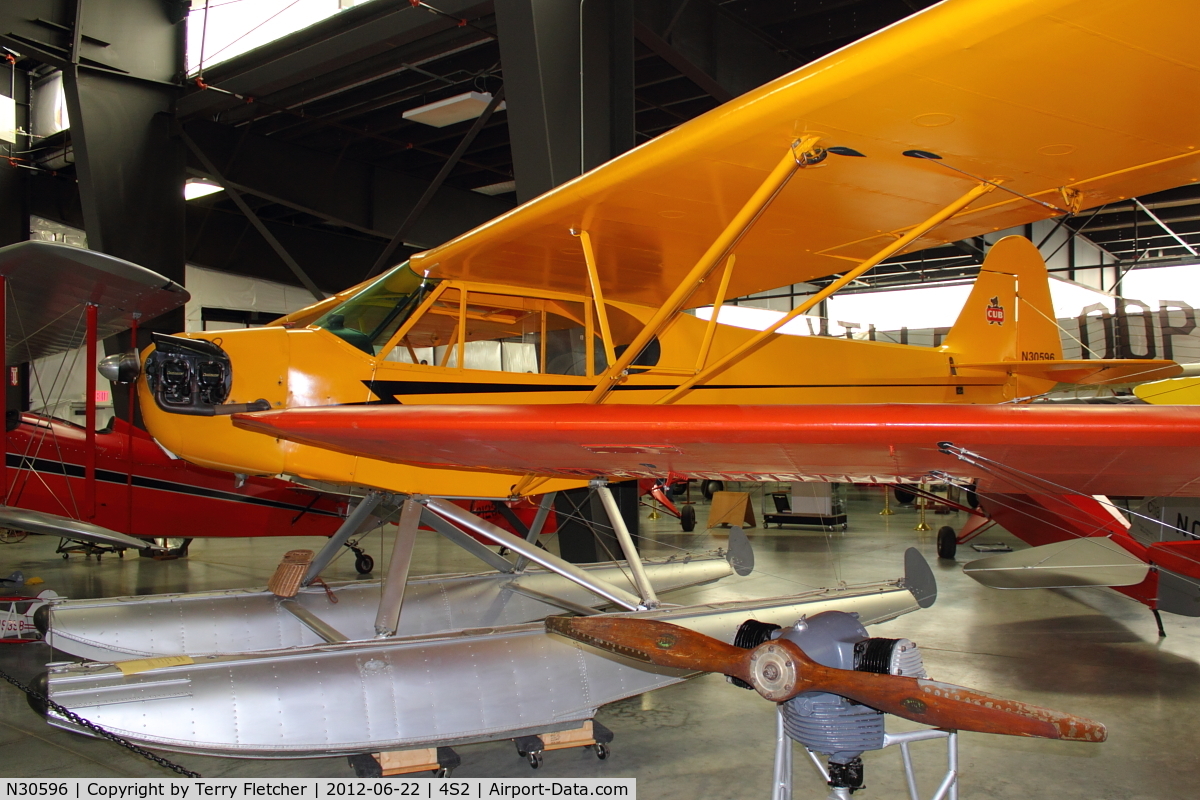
(49, 284)
(248, 620)
(418, 691)
(25, 519)
(1086, 561)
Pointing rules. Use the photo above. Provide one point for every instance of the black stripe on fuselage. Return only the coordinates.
(388, 391)
(52, 467)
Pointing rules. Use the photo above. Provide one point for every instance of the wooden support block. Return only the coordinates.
(731, 508)
(403, 762)
(291, 570)
(576, 737)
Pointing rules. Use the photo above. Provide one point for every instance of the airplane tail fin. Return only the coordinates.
(1009, 315)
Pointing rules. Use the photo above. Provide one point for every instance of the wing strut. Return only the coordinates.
(802, 153)
(468, 521)
(535, 530)
(645, 589)
(756, 341)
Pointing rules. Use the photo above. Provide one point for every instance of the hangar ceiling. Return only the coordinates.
(309, 130)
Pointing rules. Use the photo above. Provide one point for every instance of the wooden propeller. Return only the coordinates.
(779, 670)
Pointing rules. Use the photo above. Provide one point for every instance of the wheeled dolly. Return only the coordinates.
(441, 761)
(591, 735)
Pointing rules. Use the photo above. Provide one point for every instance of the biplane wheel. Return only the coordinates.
(902, 497)
(947, 542)
(364, 564)
(534, 759)
(687, 518)
(709, 488)
(66, 556)
(601, 751)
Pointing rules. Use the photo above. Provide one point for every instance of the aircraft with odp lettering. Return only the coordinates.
(549, 349)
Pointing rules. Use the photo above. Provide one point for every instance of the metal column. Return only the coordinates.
(388, 617)
(89, 417)
(781, 787)
(4, 369)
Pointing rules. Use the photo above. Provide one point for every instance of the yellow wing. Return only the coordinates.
(1071, 101)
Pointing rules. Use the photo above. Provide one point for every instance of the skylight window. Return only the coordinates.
(218, 30)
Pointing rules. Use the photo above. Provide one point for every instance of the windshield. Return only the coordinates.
(368, 319)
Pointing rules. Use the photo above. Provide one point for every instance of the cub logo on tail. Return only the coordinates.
(995, 312)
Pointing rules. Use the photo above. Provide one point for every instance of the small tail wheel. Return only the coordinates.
(601, 750)
(687, 518)
(947, 542)
(363, 564)
(534, 759)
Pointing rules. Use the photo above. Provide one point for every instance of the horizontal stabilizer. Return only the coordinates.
(1181, 557)
(1089, 561)
(1086, 371)
(23, 519)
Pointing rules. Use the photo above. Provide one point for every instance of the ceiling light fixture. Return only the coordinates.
(451, 110)
(198, 187)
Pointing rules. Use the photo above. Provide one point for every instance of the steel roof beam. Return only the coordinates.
(341, 41)
(355, 195)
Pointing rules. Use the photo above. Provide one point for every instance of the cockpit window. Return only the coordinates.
(368, 319)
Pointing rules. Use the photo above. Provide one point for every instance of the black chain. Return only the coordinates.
(93, 727)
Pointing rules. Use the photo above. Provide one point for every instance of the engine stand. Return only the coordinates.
(947, 788)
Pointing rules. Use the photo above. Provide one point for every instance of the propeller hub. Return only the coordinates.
(772, 671)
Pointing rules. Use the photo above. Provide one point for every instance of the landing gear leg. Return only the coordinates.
(1162, 634)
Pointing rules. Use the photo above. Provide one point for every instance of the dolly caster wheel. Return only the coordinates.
(601, 751)
(534, 759)
(444, 772)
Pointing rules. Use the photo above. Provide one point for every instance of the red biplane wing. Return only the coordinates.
(1123, 450)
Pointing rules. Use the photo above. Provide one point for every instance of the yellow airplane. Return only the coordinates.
(952, 124)
(405, 338)
(1181, 391)
(577, 296)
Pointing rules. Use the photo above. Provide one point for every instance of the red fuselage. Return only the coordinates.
(142, 491)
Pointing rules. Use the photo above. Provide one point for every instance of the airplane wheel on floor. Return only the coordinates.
(902, 497)
(687, 518)
(709, 488)
(947, 542)
(364, 564)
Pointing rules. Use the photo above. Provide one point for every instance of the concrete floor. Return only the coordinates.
(1090, 652)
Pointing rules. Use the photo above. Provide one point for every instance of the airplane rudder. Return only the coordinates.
(985, 329)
